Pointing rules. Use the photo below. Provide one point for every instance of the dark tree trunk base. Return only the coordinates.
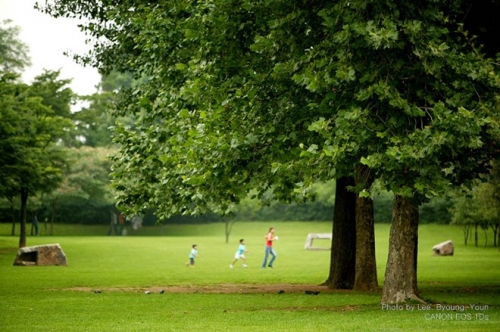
(24, 205)
(342, 259)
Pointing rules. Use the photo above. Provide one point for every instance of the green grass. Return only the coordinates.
(61, 298)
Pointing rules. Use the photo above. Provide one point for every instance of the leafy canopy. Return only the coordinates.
(273, 95)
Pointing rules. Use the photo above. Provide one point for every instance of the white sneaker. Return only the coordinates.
(230, 266)
(244, 265)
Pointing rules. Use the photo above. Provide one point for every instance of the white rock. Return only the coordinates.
(444, 248)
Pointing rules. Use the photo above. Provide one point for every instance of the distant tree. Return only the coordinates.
(54, 91)
(489, 210)
(89, 174)
(94, 122)
(116, 81)
(479, 207)
(13, 52)
(464, 213)
(58, 96)
(86, 183)
(31, 159)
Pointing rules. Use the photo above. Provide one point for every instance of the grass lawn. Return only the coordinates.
(212, 297)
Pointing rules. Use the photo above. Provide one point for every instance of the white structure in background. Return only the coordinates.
(314, 236)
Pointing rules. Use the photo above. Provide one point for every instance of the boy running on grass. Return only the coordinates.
(240, 253)
(192, 255)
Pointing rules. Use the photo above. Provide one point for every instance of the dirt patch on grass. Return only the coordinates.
(216, 289)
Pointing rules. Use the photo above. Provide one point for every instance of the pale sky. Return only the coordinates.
(48, 38)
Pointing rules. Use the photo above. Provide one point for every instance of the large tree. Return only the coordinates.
(13, 52)
(419, 109)
(275, 95)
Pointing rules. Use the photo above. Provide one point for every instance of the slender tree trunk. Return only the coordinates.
(475, 234)
(466, 233)
(366, 267)
(52, 217)
(342, 259)
(470, 233)
(24, 204)
(495, 231)
(229, 228)
(13, 216)
(400, 282)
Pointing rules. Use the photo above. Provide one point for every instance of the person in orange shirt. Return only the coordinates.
(269, 248)
(121, 221)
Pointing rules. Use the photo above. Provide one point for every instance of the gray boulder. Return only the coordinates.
(47, 254)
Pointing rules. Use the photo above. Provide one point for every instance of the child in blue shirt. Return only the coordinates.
(240, 253)
(192, 255)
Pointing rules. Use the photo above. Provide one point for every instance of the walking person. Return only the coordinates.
(121, 221)
(35, 225)
(113, 225)
(269, 248)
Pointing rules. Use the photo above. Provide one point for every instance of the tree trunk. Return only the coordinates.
(229, 227)
(24, 204)
(497, 234)
(400, 282)
(466, 230)
(342, 259)
(13, 216)
(366, 267)
(52, 217)
(495, 231)
(475, 234)
(485, 229)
